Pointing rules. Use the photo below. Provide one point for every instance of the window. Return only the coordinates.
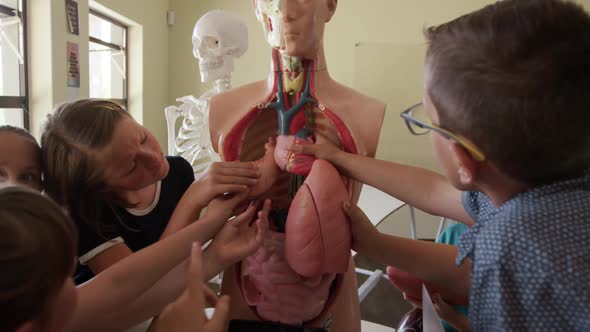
(107, 59)
(13, 64)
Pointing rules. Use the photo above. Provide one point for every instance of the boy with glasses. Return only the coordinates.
(506, 104)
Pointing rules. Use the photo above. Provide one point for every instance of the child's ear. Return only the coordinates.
(25, 327)
(467, 167)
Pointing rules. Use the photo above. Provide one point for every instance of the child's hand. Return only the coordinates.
(417, 303)
(224, 177)
(222, 208)
(187, 313)
(446, 312)
(322, 149)
(239, 238)
(364, 234)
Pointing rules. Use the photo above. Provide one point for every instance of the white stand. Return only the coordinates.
(377, 205)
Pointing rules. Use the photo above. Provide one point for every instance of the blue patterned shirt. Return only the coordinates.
(530, 259)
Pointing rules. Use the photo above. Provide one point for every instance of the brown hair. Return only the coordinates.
(24, 134)
(74, 176)
(20, 132)
(37, 253)
(513, 78)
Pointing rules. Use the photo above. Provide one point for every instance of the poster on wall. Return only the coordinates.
(73, 65)
(72, 17)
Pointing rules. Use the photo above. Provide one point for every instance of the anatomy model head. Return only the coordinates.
(295, 27)
(219, 37)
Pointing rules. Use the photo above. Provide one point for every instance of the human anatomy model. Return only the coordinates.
(219, 37)
(303, 274)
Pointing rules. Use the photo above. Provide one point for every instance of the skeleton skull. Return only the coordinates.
(218, 38)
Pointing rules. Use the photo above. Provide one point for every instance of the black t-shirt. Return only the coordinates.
(137, 229)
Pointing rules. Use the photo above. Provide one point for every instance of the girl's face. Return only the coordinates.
(134, 158)
(19, 161)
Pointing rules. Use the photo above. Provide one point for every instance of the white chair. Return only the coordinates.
(441, 225)
(377, 205)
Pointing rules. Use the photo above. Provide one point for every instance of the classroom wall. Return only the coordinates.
(381, 21)
(150, 34)
(148, 57)
(374, 46)
(363, 37)
(162, 67)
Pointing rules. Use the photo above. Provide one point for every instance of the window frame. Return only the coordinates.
(125, 48)
(22, 101)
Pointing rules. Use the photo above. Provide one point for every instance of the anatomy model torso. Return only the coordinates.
(303, 274)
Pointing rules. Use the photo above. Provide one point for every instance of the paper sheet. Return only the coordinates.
(430, 320)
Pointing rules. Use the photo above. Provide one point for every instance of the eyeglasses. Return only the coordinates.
(418, 123)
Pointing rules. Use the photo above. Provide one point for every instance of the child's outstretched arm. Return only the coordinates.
(433, 262)
(125, 281)
(239, 238)
(235, 241)
(421, 188)
(220, 178)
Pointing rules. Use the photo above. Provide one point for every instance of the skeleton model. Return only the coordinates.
(219, 37)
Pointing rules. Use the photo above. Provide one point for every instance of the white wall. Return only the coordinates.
(148, 57)
(148, 62)
(375, 46)
(362, 35)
